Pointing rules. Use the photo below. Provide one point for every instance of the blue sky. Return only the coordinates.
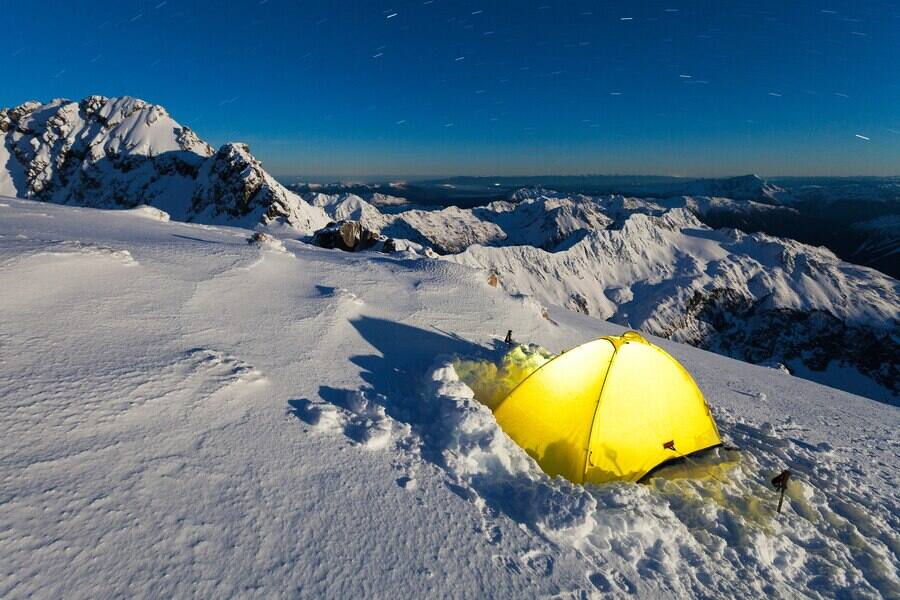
(490, 88)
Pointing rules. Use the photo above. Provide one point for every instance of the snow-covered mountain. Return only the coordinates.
(447, 230)
(646, 263)
(744, 187)
(122, 152)
(654, 266)
(187, 415)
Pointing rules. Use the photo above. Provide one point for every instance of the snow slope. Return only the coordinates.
(186, 414)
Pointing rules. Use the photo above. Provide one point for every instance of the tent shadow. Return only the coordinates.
(405, 348)
(396, 379)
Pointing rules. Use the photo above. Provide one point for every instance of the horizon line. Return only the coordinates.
(427, 177)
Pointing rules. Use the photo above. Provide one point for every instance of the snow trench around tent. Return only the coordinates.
(715, 514)
(491, 381)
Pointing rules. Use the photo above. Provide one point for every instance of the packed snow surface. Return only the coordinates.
(185, 414)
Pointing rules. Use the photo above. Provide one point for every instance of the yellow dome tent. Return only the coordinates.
(610, 409)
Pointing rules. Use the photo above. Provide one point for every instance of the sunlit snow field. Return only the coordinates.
(187, 414)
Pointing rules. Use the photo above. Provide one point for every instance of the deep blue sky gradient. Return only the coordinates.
(486, 87)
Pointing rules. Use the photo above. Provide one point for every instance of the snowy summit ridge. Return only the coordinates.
(123, 152)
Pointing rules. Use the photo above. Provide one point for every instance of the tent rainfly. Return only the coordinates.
(608, 410)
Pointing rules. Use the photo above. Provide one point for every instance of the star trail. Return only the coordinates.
(444, 88)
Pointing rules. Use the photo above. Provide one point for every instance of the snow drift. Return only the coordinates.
(166, 433)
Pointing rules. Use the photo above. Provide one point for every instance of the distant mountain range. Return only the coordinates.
(653, 265)
(855, 217)
(651, 259)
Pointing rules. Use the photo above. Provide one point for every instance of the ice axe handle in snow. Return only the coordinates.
(780, 482)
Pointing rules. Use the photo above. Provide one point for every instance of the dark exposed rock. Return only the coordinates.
(350, 236)
(578, 303)
(235, 185)
(389, 246)
(259, 238)
(92, 105)
(26, 108)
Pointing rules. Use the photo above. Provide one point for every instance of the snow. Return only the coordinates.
(149, 212)
(9, 175)
(122, 152)
(340, 207)
(187, 414)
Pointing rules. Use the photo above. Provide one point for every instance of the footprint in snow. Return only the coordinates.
(342, 294)
(599, 581)
(538, 562)
(222, 367)
(507, 563)
(488, 527)
(623, 582)
(407, 483)
(320, 415)
(359, 415)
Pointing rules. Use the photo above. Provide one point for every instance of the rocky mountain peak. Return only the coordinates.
(123, 152)
(234, 184)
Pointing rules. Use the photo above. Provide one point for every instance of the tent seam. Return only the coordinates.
(587, 454)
